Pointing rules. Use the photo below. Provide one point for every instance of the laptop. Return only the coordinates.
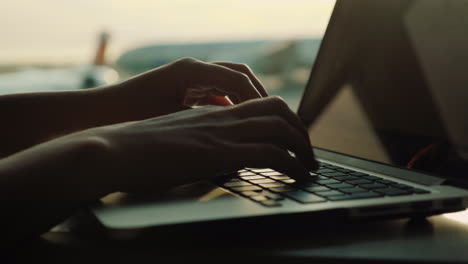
(379, 105)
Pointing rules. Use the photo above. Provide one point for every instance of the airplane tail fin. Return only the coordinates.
(99, 59)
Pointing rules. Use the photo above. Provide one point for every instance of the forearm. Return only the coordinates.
(31, 118)
(42, 186)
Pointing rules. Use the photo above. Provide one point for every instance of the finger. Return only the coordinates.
(271, 106)
(277, 131)
(227, 82)
(246, 70)
(257, 155)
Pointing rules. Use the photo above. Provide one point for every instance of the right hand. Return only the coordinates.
(160, 153)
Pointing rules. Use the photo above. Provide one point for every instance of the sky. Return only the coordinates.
(66, 31)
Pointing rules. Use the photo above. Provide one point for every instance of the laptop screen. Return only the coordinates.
(390, 84)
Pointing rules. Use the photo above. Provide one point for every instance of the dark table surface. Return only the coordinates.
(437, 239)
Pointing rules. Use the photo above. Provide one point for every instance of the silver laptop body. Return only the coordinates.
(367, 44)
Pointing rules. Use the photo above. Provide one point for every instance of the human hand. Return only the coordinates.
(159, 153)
(180, 85)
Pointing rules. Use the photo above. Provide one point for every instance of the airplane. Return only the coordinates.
(32, 79)
(282, 65)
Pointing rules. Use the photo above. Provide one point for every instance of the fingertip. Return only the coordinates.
(300, 174)
(314, 165)
(309, 161)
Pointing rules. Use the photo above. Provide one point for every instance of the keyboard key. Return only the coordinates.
(339, 185)
(256, 177)
(242, 174)
(372, 178)
(258, 198)
(272, 185)
(270, 203)
(420, 191)
(246, 188)
(288, 181)
(236, 184)
(327, 181)
(304, 197)
(272, 195)
(345, 170)
(282, 189)
(262, 170)
(282, 177)
(360, 174)
(401, 186)
(360, 181)
(346, 178)
(330, 193)
(373, 186)
(321, 171)
(387, 182)
(317, 189)
(353, 190)
(334, 174)
(262, 181)
(249, 193)
(392, 191)
(273, 173)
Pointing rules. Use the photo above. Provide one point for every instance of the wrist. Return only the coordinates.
(116, 103)
(50, 181)
(71, 167)
(93, 152)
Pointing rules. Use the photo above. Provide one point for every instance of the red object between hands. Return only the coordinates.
(215, 100)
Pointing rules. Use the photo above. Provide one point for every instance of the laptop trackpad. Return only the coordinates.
(200, 191)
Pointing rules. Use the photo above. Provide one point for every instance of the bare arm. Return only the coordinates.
(45, 184)
(32, 118)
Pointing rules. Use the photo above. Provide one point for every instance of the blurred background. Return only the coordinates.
(64, 44)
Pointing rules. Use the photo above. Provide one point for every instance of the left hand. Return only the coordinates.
(184, 83)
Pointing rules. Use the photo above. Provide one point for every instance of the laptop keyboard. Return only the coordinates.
(328, 183)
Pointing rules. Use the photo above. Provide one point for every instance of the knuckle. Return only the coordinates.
(249, 122)
(243, 77)
(213, 108)
(274, 151)
(186, 61)
(279, 122)
(278, 101)
(243, 67)
(217, 112)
